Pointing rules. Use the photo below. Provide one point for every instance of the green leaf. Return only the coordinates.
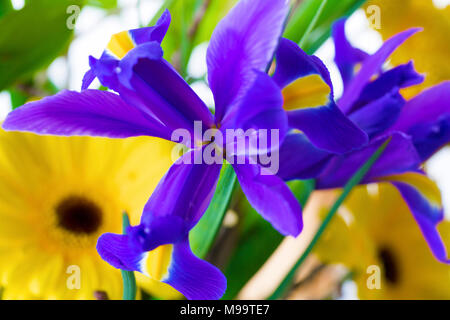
(129, 281)
(18, 98)
(204, 233)
(5, 7)
(189, 27)
(354, 180)
(32, 38)
(257, 241)
(301, 19)
(104, 4)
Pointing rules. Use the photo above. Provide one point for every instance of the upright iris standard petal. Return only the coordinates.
(303, 77)
(91, 112)
(346, 56)
(372, 66)
(424, 200)
(399, 77)
(427, 119)
(400, 156)
(271, 198)
(244, 41)
(260, 111)
(155, 33)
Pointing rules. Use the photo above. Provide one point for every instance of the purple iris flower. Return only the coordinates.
(371, 99)
(152, 99)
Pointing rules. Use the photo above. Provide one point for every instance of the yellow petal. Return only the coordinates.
(429, 48)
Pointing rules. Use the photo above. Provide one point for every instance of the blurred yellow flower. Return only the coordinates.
(429, 48)
(375, 235)
(57, 195)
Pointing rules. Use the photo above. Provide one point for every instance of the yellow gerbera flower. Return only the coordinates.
(429, 48)
(376, 237)
(57, 196)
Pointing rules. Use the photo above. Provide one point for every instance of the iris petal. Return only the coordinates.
(346, 56)
(179, 201)
(370, 67)
(328, 128)
(424, 200)
(399, 156)
(175, 265)
(300, 159)
(91, 112)
(379, 115)
(271, 198)
(234, 54)
(194, 278)
(324, 124)
(261, 110)
(427, 118)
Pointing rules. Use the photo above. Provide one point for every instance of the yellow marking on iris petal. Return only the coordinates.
(157, 262)
(421, 183)
(310, 91)
(120, 44)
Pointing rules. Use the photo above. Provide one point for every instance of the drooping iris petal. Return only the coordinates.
(370, 67)
(118, 251)
(399, 156)
(346, 56)
(194, 278)
(91, 113)
(178, 202)
(174, 264)
(427, 119)
(378, 115)
(242, 42)
(424, 200)
(158, 247)
(121, 43)
(270, 197)
(261, 110)
(300, 159)
(308, 97)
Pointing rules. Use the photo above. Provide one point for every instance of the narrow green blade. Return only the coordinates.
(257, 240)
(354, 180)
(204, 233)
(129, 281)
(311, 22)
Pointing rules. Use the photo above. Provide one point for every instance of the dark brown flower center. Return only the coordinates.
(79, 215)
(390, 266)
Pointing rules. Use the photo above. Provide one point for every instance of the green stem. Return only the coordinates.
(354, 180)
(312, 23)
(129, 281)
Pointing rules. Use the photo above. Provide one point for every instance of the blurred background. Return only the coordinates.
(45, 45)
